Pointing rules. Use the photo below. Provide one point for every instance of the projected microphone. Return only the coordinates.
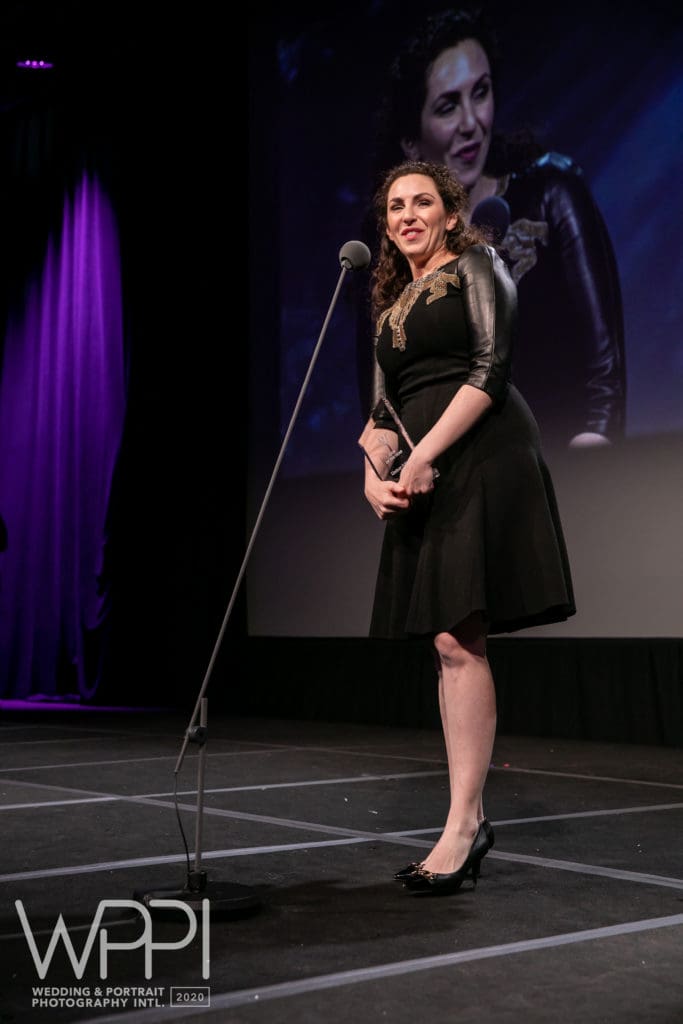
(354, 256)
(492, 215)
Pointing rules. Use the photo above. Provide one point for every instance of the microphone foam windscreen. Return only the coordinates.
(354, 255)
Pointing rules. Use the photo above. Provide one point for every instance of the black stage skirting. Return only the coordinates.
(611, 690)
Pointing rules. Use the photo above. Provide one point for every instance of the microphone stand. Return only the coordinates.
(232, 898)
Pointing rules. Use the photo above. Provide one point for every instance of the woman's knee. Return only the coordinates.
(462, 644)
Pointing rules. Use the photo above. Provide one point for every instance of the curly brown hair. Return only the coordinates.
(391, 272)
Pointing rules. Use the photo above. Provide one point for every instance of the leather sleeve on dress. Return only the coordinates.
(378, 411)
(490, 300)
(579, 233)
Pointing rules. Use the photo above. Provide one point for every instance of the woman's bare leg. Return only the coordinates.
(467, 702)
(446, 736)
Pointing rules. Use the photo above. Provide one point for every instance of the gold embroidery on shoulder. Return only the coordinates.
(435, 283)
(439, 286)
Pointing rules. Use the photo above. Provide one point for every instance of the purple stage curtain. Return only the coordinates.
(62, 406)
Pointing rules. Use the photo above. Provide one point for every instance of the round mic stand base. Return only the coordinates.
(226, 899)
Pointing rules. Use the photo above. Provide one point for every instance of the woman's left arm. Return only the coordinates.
(590, 269)
(490, 302)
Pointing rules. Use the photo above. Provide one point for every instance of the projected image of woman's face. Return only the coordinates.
(457, 116)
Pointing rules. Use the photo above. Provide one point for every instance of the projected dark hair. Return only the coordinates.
(399, 113)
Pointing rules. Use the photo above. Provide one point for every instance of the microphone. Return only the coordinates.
(232, 897)
(354, 255)
(492, 216)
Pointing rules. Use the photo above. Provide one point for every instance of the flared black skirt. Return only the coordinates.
(488, 538)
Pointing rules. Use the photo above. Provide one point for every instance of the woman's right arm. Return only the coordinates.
(385, 495)
(590, 269)
(378, 440)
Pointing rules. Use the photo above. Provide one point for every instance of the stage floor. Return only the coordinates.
(578, 915)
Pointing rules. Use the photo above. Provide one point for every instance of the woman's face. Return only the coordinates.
(457, 116)
(417, 220)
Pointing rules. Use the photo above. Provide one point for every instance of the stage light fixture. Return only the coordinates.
(35, 64)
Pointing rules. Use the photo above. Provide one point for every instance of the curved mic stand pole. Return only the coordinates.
(231, 897)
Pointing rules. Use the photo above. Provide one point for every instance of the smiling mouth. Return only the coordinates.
(468, 154)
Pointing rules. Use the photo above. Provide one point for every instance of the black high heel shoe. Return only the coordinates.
(408, 870)
(414, 866)
(422, 882)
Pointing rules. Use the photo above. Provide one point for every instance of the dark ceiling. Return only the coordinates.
(93, 44)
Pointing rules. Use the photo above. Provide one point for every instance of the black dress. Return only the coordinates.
(488, 538)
